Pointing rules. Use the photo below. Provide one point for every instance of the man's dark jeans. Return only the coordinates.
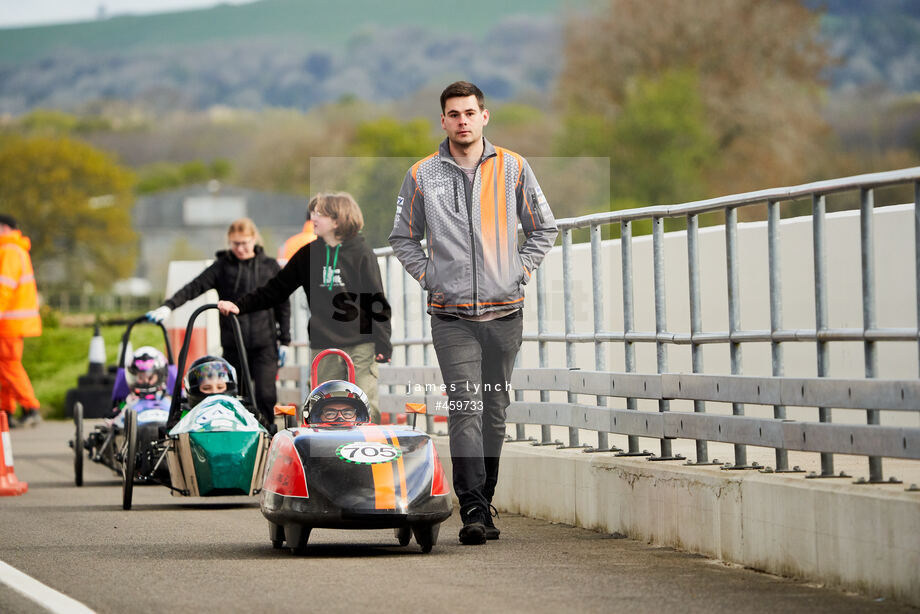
(476, 360)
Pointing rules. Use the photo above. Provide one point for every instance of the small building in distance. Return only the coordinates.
(190, 223)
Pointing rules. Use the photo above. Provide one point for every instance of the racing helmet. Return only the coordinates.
(208, 370)
(146, 373)
(336, 391)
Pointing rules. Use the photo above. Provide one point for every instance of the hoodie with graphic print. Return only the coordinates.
(344, 291)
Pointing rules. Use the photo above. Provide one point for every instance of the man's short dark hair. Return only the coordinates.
(8, 220)
(462, 89)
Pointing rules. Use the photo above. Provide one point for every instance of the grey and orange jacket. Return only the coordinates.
(474, 264)
(19, 315)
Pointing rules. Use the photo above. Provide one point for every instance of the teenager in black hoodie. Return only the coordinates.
(348, 309)
(234, 272)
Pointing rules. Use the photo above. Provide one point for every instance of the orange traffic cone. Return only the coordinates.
(9, 483)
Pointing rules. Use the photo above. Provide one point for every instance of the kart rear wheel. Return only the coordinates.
(78, 444)
(426, 535)
(129, 458)
(276, 534)
(403, 535)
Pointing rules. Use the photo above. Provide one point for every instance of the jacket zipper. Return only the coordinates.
(535, 202)
(468, 192)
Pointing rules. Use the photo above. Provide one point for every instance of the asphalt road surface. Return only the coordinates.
(213, 554)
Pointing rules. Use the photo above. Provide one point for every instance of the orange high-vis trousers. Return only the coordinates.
(15, 386)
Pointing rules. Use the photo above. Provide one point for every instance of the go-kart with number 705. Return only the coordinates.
(351, 475)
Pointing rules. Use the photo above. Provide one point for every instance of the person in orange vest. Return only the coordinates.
(19, 318)
(294, 243)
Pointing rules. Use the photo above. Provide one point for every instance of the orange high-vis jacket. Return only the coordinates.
(293, 244)
(18, 293)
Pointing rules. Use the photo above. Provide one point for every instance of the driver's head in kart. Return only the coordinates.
(338, 412)
(337, 402)
(146, 373)
(209, 375)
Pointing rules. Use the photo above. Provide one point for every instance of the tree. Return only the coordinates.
(74, 203)
(661, 144)
(383, 149)
(167, 175)
(758, 67)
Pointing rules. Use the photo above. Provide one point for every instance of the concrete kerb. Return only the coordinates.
(860, 538)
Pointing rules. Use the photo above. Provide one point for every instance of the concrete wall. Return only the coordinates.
(860, 538)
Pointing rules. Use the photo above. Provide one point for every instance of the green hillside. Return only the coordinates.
(308, 22)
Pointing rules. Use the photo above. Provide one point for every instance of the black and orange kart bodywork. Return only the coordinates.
(354, 476)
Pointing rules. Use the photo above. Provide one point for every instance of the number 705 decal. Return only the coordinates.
(367, 452)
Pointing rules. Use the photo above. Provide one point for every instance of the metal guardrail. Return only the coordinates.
(871, 440)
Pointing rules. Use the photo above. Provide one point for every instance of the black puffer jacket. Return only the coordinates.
(234, 278)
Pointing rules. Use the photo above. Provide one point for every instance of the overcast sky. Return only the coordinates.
(35, 12)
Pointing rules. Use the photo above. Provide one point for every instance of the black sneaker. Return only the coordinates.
(492, 532)
(474, 520)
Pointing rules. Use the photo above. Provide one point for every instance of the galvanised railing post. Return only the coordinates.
(917, 251)
(423, 324)
(661, 325)
(388, 288)
(406, 328)
(820, 262)
(545, 429)
(629, 323)
(734, 317)
(426, 354)
(569, 308)
(867, 257)
(696, 323)
(776, 315)
(597, 293)
(519, 433)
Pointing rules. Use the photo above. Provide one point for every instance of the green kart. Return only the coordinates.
(216, 448)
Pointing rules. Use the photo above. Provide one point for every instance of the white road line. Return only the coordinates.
(45, 596)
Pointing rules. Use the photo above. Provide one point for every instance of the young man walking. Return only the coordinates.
(19, 318)
(468, 199)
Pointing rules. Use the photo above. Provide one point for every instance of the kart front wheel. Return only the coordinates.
(129, 458)
(403, 535)
(426, 536)
(78, 444)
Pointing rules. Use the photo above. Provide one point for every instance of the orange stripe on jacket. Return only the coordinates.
(487, 213)
(384, 483)
(477, 304)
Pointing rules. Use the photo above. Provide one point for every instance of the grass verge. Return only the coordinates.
(55, 360)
